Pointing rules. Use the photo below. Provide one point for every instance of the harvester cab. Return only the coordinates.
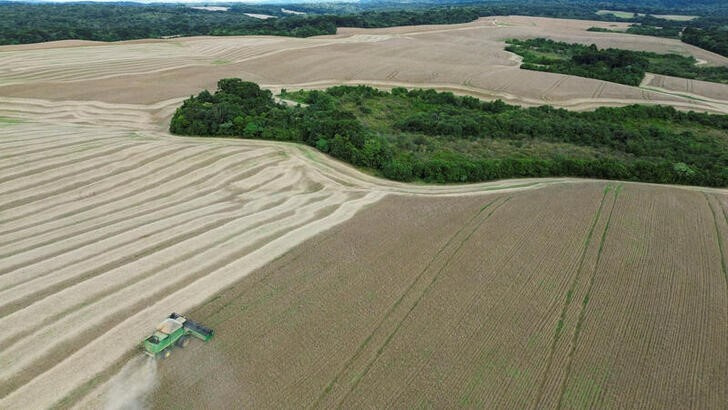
(175, 330)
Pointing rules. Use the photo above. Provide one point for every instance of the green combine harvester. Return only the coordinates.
(175, 330)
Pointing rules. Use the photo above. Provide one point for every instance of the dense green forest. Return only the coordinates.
(410, 135)
(708, 32)
(29, 23)
(652, 26)
(714, 39)
(644, 30)
(616, 65)
(649, 25)
(33, 22)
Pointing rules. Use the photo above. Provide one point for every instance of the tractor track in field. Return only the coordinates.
(396, 304)
(719, 237)
(421, 295)
(582, 312)
(568, 297)
(467, 230)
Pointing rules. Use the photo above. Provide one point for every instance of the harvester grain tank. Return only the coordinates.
(175, 330)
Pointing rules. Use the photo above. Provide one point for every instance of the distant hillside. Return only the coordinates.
(22, 23)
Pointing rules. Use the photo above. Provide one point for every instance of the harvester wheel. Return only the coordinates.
(166, 353)
(183, 341)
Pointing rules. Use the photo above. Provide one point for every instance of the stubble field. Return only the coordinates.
(467, 58)
(327, 286)
(106, 230)
(598, 294)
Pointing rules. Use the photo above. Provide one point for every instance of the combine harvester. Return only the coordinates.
(174, 331)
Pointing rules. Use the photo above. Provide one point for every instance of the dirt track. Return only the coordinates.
(107, 223)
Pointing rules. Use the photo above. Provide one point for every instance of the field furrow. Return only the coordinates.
(26, 281)
(179, 183)
(585, 300)
(138, 288)
(345, 381)
(83, 233)
(114, 187)
(568, 298)
(658, 288)
(478, 322)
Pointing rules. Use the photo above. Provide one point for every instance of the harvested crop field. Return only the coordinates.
(105, 230)
(584, 295)
(702, 90)
(326, 285)
(467, 58)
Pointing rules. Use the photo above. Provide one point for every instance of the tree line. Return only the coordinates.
(615, 65)
(22, 23)
(32, 22)
(713, 39)
(709, 32)
(432, 136)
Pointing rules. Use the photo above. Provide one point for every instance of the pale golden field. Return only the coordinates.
(327, 286)
(467, 58)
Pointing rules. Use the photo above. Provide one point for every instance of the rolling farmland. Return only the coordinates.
(571, 295)
(327, 286)
(133, 226)
(105, 230)
(470, 59)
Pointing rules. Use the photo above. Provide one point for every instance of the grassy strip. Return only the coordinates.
(9, 121)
